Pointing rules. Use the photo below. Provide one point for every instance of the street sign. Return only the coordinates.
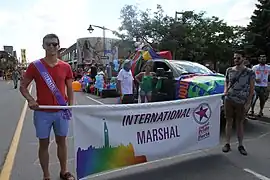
(104, 59)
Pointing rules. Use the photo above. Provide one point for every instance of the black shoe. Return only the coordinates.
(226, 148)
(242, 150)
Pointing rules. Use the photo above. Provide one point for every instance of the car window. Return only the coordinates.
(160, 64)
(191, 68)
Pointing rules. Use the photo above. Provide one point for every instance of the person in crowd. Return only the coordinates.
(1, 73)
(262, 72)
(145, 80)
(238, 91)
(5, 74)
(80, 73)
(101, 72)
(125, 83)
(247, 63)
(109, 70)
(15, 77)
(45, 119)
(93, 71)
(74, 72)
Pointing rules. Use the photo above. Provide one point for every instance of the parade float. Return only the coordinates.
(175, 79)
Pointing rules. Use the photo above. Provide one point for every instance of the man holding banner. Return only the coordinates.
(52, 76)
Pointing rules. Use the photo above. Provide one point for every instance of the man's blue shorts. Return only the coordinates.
(44, 121)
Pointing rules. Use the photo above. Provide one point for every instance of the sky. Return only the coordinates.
(23, 24)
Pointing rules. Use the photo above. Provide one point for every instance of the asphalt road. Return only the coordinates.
(11, 103)
(211, 164)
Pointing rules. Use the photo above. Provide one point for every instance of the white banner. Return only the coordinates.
(113, 136)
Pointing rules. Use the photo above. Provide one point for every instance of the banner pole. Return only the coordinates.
(189, 100)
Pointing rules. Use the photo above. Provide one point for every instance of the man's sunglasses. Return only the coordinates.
(54, 44)
(237, 58)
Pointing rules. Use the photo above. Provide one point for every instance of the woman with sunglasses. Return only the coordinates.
(145, 79)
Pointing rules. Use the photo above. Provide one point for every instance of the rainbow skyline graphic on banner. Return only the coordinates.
(95, 160)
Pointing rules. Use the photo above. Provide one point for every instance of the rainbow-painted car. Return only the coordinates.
(193, 79)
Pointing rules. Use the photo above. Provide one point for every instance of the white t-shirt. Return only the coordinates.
(126, 79)
(261, 72)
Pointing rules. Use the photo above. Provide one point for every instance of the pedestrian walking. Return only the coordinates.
(238, 91)
(15, 77)
(262, 72)
(52, 77)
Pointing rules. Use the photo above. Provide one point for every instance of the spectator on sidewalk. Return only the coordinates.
(238, 90)
(262, 72)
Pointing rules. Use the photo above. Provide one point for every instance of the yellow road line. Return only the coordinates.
(9, 161)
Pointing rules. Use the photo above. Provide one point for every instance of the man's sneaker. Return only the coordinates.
(226, 148)
(242, 150)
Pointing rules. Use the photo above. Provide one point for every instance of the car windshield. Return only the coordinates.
(190, 68)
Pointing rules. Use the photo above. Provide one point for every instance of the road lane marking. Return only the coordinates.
(94, 100)
(259, 176)
(9, 161)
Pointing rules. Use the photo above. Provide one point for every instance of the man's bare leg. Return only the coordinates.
(62, 152)
(43, 154)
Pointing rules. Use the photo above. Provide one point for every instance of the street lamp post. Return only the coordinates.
(91, 29)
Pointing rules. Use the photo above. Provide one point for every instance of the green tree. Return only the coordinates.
(258, 31)
(192, 36)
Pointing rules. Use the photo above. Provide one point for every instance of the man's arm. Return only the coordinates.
(118, 84)
(70, 93)
(23, 89)
(226, 82)
(252, 86)
(69, 80)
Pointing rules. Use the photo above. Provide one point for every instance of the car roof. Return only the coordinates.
(178, 61)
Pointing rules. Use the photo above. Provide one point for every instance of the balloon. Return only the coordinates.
(76, 86)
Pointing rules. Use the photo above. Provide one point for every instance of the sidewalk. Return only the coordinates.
(266, 111)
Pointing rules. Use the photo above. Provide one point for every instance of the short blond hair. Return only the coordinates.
(148, 63)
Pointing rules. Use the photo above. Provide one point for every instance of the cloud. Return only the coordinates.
(6, 17)
(241, 12)
(200, 5)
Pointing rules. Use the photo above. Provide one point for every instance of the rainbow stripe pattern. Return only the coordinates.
(95, 160)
